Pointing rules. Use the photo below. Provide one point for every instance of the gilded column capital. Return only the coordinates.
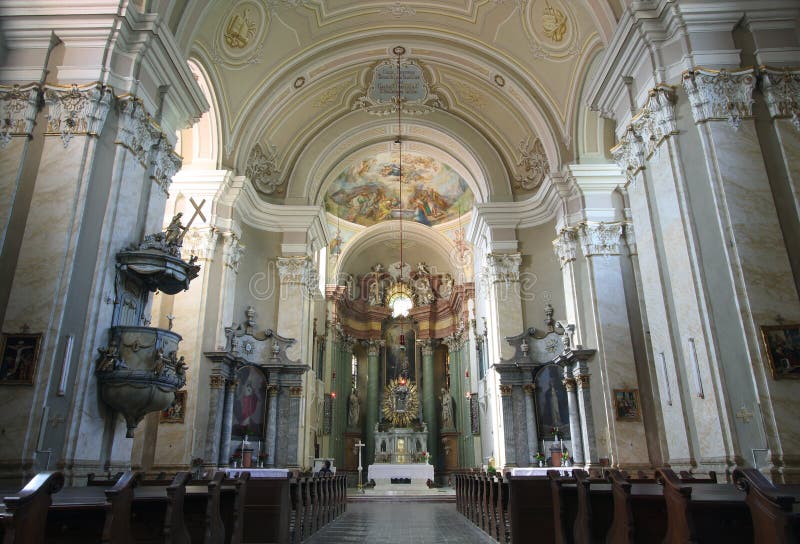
(373, 346)
(600, 238)
(565, 246)
(18, 107)
(781, 88)
(505, 390)
(503, 267)
(529, 388)
(232, 251)
(582, 381)
(231, 385)
(199, 242)
(426, 346)
(720, 94)
(272, 390)
(569, 384)
(296, 391)
(77, 109)
(216, 381)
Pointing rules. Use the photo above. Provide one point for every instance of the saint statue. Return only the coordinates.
(447, 409)
(375, 298)
(423, 291)
(446, 287)
(173, 234)
(353, 409)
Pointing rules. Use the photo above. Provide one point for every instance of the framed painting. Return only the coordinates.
(552, 409)
(20, 353)
(176, 413)
(249, 402)
(782, 343)
(626, 405)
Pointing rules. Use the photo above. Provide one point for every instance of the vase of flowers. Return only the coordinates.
(236, 459)
(556, 432)
(567, 460)
(426, 457)
(539, 459)
(262, 460)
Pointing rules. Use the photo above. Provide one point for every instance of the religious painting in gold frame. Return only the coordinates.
(626, 405)
(782, 344)
(19, 355)
(400, 402)
(176, 412)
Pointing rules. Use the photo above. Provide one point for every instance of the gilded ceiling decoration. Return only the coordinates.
(240, 36)
(368, 191)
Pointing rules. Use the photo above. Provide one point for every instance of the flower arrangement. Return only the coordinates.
(539, 458)
(426, 457)
(490, 468)
(236, 458)
(262, 459)
(556, 432)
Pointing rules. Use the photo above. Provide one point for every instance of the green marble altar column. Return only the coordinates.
(373, 389)
(429, 412)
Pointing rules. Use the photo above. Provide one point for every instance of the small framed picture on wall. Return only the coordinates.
(782, 343)
(176, 413)
(626, 405)
(20, 353)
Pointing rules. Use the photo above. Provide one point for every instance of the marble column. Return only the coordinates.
(373, 392)
(530, 416)
(584, 397)
(574, 418)
(429, 411)
(227, 423)
(270, 441)
(216, 405)
(292, 430)
(509, 427)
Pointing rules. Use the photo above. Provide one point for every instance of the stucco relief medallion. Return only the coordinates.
(551, 26)
(240, 36)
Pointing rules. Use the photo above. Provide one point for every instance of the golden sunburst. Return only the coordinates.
(400, 403)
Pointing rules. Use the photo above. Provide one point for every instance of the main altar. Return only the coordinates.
(401, 437)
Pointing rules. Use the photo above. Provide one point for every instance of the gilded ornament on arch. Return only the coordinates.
(241, 28)
(554, 23)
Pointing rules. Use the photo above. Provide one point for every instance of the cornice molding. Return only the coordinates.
(260, 214)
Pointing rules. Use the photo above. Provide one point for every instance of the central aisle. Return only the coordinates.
(420, 523)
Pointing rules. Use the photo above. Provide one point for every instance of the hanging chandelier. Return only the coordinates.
(400, 297)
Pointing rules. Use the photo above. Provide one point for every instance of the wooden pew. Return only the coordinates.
(705, 511)
(565, 506)
(638, 512)
(530, 508)
(23, 517)
(201, 510)
(503, 509)
(773, 508)
(157, 511)
(233, 495)
(267, 510)
(595, 511)
(297, 522)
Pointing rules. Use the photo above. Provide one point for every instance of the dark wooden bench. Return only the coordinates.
(157, 511)
(530, 508)
(565, 506)
(774, 509)
(201, 510)
(267, 510)
(703, 511)
(23, 516)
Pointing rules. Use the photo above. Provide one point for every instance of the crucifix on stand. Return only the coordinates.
(360, 445)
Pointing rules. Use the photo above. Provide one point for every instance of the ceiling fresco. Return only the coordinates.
(368, 191)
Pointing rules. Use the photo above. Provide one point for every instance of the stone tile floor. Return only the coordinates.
(401, 522)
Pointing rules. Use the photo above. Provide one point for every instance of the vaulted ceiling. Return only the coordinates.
(289, 77)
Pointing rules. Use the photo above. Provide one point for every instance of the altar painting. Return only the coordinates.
(368, 191)
(394, 357)
(249, 402)
(551, 402)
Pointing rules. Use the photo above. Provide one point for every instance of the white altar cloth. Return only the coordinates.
(540, 471)
(387, 471)
(259, 472)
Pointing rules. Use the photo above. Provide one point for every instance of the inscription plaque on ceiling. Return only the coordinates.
(381, 95)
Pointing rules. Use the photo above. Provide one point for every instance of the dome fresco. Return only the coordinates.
(368, 191)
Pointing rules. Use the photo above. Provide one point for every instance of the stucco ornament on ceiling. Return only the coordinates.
(240, 36)
(380, 97)
(368, 191)
(262, 169)
(533, 163)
